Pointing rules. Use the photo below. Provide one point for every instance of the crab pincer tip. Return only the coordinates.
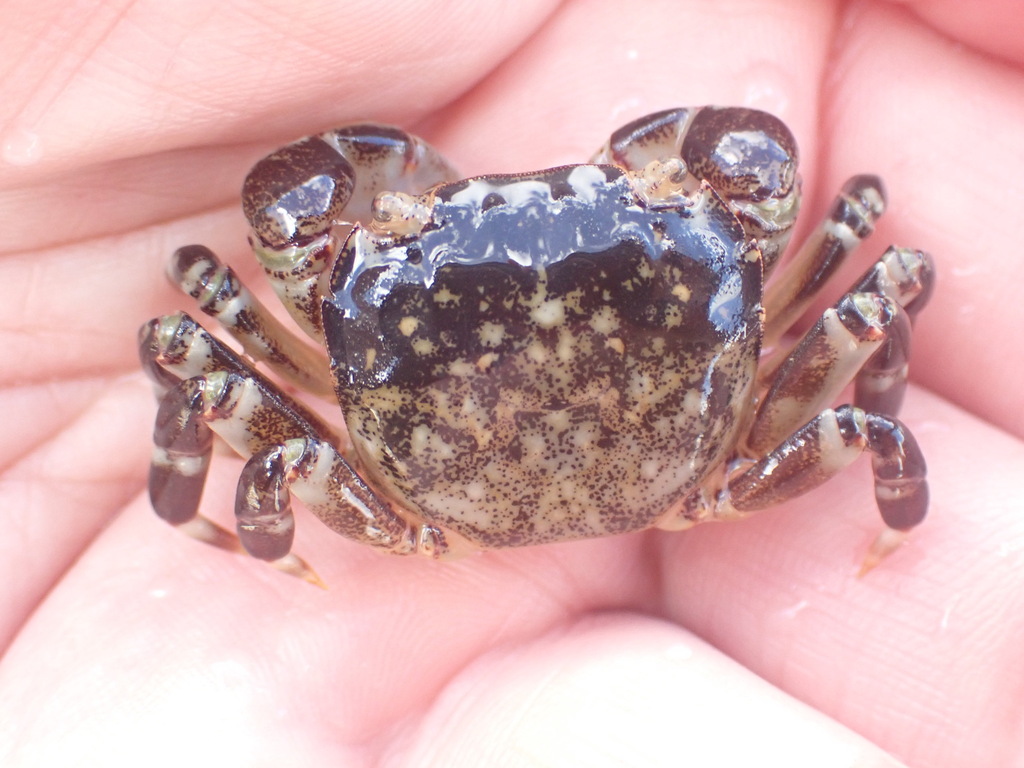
(887, 542)
(294, 565)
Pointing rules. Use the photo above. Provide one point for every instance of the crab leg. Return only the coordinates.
(183, 359)
(822, 448)
(294, 197)
(851, 219)
(908, 276)
(808, 457)
(824, 362)
(175, 347)
(218, 394)
(314, 471)
(221, 294)
(865, 337)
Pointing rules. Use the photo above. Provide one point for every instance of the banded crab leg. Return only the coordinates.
(289, 447)
(821, 449)
(222, 295)
(865, 337)
(825, 361)
(797, 446)
(849, 222)
(908, 276)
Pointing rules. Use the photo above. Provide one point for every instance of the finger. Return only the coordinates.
(150, 630)
(75, 455)
(922, 655)
(203, 76)
(945, 134)
(207, 92)
(994, 26)
(624, 690)
(596, 66)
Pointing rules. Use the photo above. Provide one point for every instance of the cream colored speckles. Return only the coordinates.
(534, 445)
(491, 334)
(615, 344)
(468, 511)
(548, 313)
(420, 439)
(537, 352)
(566, 349)
(461, 369)
(408, 325)
(672, 316)
(426, 440)
(446, 298)
(650, 469)
(681, 292)
(604, 321)
(584, 436)
(485, 361)
(559, 421)
(371, 357)
(694, 404)
(423, 347)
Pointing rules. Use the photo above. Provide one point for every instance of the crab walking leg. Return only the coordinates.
(284, 450)
(826, 360)
(314, 471)
(182, 444)
(850, 220)
(821, 449)
(220, 294)
(294, 197)
(183, 359)
(175, 347)
(908, 276)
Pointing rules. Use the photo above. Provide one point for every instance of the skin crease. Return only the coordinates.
(125, 131)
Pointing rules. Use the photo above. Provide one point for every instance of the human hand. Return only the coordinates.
(126, 133)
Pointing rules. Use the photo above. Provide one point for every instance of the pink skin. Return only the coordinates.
(127, 642)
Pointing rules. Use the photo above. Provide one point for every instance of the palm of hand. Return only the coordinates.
(570, 654)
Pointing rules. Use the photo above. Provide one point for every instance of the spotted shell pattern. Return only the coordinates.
(548, 341)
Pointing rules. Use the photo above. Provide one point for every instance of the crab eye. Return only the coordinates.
(743, 153)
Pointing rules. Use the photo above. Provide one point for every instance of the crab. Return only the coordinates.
(528, 358)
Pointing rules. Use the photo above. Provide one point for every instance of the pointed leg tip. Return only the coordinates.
(208, 532)
(887, 542)
(294, 565)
